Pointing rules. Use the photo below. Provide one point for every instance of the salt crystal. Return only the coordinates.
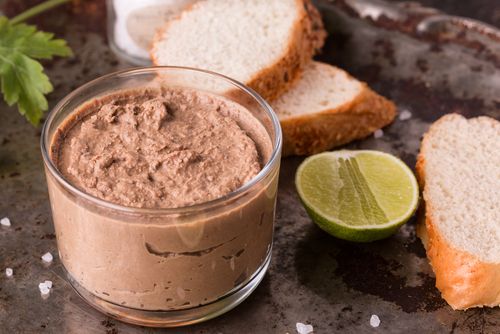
(47, 257)
(44, 289)
(379, 133)
(5, 221)
(303, 328)
(374, 320)
(9, 272)
(48, 284)
(404, 115)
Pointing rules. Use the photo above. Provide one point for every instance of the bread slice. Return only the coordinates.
(326, 108)
(459, 170)
(262, 43)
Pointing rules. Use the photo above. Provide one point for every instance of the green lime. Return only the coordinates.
(357, 195)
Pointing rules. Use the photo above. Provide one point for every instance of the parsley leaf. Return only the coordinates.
(22, 78)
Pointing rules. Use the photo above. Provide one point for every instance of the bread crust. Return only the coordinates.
(307, 39)
(317, 132)
(463, 279)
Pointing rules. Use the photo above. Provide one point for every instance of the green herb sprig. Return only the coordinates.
(23, 81)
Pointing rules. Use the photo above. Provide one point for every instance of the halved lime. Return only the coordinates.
(357, 195)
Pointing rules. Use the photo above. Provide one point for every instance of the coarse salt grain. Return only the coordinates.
(5, 221)
(404, 115)
(9, 272)
(379, 133)
(374, 320)
(303, 328)
(44, 289)
(47, 257)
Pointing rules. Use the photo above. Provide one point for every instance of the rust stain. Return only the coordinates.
(409, 25)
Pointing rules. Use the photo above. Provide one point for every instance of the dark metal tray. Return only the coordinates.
(428, 63)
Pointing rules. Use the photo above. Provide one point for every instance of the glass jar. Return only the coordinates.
(171, 266)
(132, 25)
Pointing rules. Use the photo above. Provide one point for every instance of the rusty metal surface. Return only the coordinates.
(428, 68)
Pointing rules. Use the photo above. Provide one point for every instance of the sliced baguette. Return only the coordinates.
(262, 43)
(459, 171)
(326, 108)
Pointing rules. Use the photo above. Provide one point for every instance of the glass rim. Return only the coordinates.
(266, 169)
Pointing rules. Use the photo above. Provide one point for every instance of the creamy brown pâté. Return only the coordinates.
(160, 148)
